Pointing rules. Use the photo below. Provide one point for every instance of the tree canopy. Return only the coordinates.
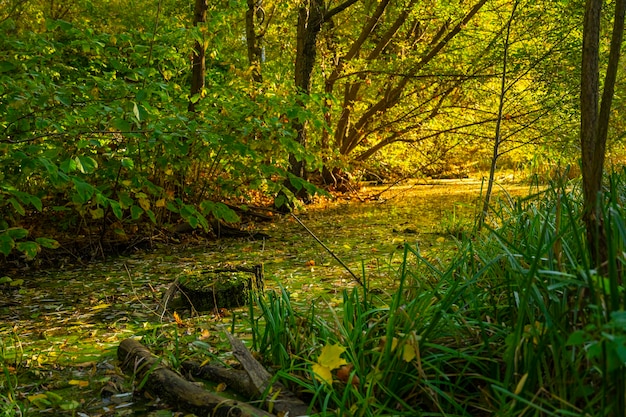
(103, 127)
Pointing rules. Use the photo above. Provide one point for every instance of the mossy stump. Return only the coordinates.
(219, 288)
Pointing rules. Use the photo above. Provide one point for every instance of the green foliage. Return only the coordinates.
(515, 324)
(10, 403)
(97, 138)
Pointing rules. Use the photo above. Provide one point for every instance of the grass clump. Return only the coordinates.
(516, 324)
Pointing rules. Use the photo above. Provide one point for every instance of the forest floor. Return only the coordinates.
(60, 328)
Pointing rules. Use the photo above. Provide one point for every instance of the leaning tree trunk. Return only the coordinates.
(594, 122)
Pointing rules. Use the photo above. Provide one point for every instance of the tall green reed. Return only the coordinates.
(517, 323)
(10, 402)
(565, 333)
(413, 353)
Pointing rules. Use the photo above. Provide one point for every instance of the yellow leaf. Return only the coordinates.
(330, 357)
(97, 213)
(79, 383)
(408, 353)
(521, 383)
(100, 306)
(178, 320)
(322, 373)
(160, 203)
(221, 387)
(144, 203)
(441, 239)
(394, 343)
(33, 398)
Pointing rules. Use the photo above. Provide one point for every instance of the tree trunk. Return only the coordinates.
(310, 19)
(311, 16)
(594, 122)
(255, 12)
(198, 60)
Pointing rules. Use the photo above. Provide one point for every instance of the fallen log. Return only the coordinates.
(177, 391)
(235, 379)
(277, 398)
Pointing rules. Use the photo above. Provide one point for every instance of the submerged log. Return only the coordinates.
(177, 391)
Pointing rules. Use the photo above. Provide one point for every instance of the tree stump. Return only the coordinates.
(220, 288)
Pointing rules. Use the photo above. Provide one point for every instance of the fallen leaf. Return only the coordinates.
(322, 373)
(330, 356)
(408, 353)
(521, 383)
(178, 320)
(343, 374)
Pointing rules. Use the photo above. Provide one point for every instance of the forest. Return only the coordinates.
(420, 205)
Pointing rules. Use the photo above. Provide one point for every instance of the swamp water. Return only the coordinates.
(60, 328)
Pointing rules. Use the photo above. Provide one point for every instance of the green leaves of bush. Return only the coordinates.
(95, 126)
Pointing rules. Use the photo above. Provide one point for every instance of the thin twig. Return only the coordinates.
(357, 279)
